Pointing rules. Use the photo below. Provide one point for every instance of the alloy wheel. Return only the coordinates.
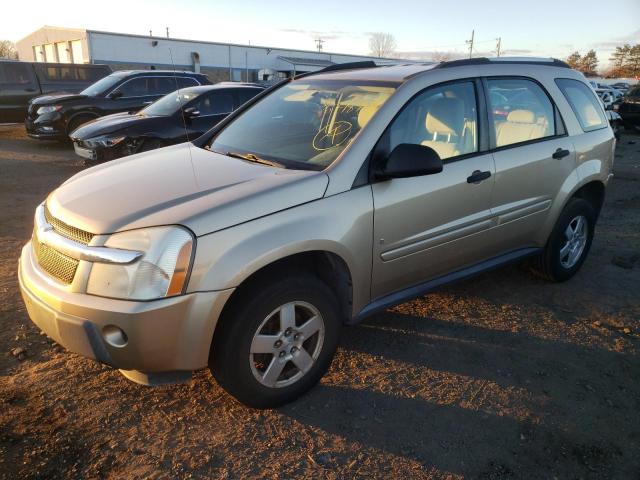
(287, 344)
(575, 240)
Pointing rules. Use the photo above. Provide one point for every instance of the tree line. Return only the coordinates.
(625, 61)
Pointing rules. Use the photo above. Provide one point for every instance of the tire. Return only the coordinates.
(77, 121)
(557, 265)
(246, 375)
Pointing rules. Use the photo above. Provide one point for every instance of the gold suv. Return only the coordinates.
(325, 199)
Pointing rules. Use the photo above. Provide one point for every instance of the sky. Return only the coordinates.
(527, 28)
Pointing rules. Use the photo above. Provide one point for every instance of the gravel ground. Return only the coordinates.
(502, 376)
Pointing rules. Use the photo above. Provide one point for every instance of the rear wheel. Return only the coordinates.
(569, 242)
(276, 341)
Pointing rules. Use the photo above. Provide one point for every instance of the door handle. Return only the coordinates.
(477, 176)
(560, 153)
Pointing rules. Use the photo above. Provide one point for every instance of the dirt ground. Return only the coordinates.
(501, 376)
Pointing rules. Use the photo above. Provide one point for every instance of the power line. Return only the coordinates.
(319, 43)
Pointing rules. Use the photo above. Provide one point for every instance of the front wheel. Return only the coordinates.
(569, 243)
(276, 341)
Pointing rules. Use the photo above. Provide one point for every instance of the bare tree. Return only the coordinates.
(8, 49)
(382, 44)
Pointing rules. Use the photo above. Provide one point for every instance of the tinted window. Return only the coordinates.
(444, 118)
(215, 103)
(136, 87)
(169, 104)
(184, 82)
(583, 103)
(246, 94)
(103, 85)
(162, 85)
(15, 73)
(521, 111)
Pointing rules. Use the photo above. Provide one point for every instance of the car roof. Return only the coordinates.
(220, 86)
(124, 73)
(402, 72)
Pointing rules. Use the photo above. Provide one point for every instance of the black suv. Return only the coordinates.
(21, 81)
(55, 116)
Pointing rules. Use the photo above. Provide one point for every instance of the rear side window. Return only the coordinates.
(584, 104)
(521, 111)
(184, 82)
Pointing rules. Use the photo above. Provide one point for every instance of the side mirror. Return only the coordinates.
(191, 112)
(115, 95)
(410, 160)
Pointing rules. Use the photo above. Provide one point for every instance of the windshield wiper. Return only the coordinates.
(251, 157)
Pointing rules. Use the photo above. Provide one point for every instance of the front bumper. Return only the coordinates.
(99, 154)
(46, 127)
(163, 336)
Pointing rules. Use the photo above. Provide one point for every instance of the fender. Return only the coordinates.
(341, 224)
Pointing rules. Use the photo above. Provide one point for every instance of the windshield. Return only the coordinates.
(169, 104)
(303, 124)
(102, 85)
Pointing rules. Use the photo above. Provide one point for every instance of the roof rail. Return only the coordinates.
(549, 62)
(341, 66)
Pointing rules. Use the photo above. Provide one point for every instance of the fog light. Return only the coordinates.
(114, 336)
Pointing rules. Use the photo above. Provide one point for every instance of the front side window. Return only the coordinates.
(584, 104)
(304, 124)
(136, 87)
(521, 111)
(215, 103)
(444, 118)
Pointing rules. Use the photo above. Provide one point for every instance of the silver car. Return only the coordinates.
(323, 200)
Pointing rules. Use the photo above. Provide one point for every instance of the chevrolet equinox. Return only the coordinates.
(322, 200)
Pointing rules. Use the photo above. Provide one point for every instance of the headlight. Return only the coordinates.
(161, 272)
(49, 109)
(104, 141)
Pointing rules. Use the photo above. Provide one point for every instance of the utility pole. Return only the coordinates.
(319, 43)
(167, 32)
(499, 39)
(151, 33)
(470, 43)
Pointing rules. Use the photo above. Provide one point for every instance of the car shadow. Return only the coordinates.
(476, 401)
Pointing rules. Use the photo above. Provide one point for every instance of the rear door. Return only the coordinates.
(430, 225)
(533, 158)
(18, 85)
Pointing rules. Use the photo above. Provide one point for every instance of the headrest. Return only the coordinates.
(365, 114)
(521, 116)
(446, 116)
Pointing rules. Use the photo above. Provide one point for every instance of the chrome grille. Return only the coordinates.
(55, 263)
(67, 231)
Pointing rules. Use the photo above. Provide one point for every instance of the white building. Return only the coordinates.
(220, 61)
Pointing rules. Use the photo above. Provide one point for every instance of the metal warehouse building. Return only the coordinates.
(220, 61)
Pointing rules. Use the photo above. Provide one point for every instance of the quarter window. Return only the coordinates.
(444, 118)
(521, 111)
(583, 103)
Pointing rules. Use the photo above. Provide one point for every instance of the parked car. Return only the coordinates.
(177, 117)
(622, 86)
(319, 202)
(21, 81)
(629, 109)
(53, 117)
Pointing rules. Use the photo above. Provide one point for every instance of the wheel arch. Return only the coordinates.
(330, 267)
(83, 113)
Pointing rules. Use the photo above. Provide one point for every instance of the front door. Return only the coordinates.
(430, 225)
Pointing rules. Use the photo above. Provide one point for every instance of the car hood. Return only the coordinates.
(60, 97)
(181, 184)
(110, 124)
